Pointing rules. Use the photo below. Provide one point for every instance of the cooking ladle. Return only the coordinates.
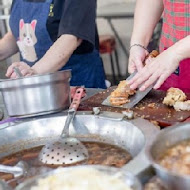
(18, 170)
(67, 150)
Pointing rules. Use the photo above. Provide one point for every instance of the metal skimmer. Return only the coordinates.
(67, 150)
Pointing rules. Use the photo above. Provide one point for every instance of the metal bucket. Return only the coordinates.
(167, 138)
(134, 136)
(36, 95)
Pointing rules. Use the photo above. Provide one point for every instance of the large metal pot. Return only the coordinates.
(134, 136)
(38, 94)
(164, 140)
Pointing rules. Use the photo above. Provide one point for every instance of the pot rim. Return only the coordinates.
(36, 79)
(153, 161)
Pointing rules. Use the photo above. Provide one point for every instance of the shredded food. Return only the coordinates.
(84, 179)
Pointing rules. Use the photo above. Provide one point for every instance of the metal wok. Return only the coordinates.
(134, 136)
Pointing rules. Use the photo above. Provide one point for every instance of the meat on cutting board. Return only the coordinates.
(151, 107)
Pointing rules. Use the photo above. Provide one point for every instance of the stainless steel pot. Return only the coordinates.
(36, 95)
(164, 140)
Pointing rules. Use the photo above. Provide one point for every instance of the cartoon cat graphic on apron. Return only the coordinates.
(30, 29)
(27, 40)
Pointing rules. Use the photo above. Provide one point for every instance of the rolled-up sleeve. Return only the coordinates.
(78, 19)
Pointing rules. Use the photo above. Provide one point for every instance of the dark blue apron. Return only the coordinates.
(28, 25)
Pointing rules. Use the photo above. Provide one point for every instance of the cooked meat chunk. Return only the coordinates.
(151, 56)
(182, 106)
(174, 95)
(121, 94)
(154, 53)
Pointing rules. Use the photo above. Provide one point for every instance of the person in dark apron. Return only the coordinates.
(172, 67)
(56, 35)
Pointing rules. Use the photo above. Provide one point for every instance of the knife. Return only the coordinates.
(134, 99)
(139, 95)
(131, 75)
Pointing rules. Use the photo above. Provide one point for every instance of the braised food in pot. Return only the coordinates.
(177, 158)
(99, 154)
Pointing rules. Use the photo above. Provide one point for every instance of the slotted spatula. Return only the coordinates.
(67, 150)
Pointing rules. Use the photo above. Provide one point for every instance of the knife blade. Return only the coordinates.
(137, 97)
(106, 102)
(134, 99)
(131, 75)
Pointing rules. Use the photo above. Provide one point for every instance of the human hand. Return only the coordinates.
(136, 58)
(157, 70)
(25, 69)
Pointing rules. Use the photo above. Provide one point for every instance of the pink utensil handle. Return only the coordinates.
(77, 98)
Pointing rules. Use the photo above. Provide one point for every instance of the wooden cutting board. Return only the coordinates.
(164, 115)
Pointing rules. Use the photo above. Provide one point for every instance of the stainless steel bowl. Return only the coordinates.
(164, 140)
(130, 180)
(36, 95)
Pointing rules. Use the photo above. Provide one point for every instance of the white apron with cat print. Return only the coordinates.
(28, 24)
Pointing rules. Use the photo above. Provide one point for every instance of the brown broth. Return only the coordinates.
(99, 153)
